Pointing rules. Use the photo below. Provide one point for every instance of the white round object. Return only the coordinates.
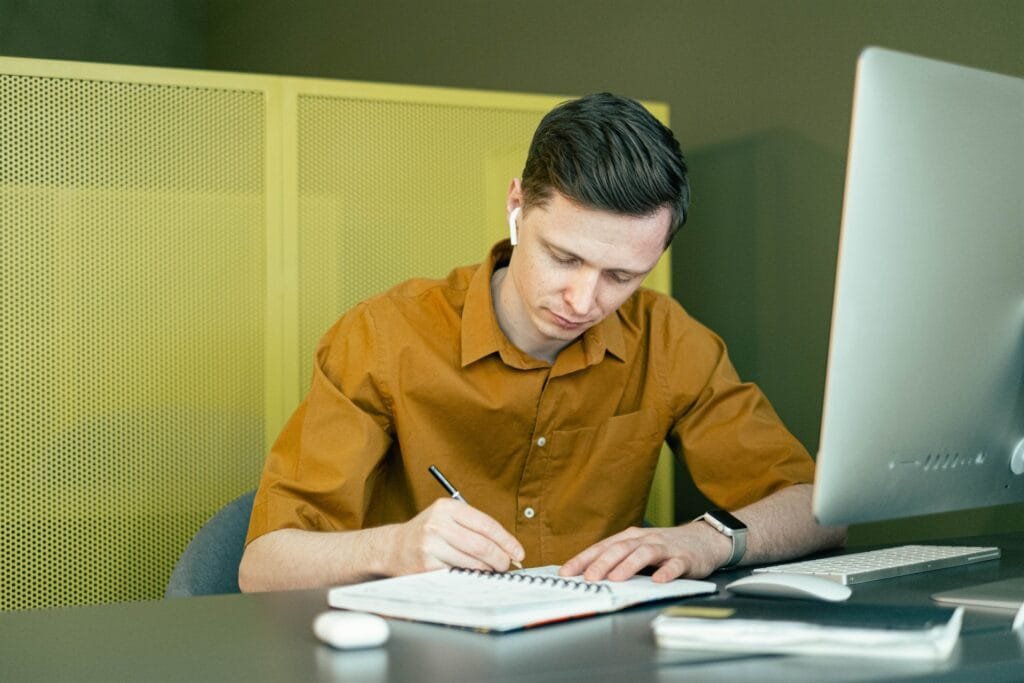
(351, 630)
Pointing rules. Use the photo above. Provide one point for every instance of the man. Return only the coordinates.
(543, 383)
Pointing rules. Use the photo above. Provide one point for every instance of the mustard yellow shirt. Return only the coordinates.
(562, 454)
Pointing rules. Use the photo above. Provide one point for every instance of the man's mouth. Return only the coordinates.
(566, 323)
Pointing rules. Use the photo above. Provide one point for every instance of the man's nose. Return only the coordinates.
(581, 292)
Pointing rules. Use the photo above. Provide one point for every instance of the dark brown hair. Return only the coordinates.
(607, 152)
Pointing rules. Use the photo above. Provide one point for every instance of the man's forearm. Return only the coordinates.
(781, 526)
(448, 533)
(294, 558)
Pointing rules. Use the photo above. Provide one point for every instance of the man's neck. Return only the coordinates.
(513, 320)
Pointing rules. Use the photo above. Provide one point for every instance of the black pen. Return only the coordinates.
(454, 493)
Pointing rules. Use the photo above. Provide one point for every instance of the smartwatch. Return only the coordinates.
(725, 523)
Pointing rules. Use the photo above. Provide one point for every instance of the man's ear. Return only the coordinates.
(514, 196)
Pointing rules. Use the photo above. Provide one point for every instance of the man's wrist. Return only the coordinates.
(717, 547)
(378, 547)
(733, 529)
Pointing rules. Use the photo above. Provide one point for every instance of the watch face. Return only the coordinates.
(727, 520)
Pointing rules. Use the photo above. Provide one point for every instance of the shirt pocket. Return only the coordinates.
(601, 476)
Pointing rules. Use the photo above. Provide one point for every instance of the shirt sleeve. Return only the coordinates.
(732, 441)
(321, 471)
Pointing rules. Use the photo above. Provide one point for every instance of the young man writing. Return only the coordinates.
(543, 382)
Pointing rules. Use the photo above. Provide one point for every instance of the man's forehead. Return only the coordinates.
(555, 201)
(626, 245)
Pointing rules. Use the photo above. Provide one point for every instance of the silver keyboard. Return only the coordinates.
(886, 563)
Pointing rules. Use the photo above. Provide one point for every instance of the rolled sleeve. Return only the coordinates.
(321, 471)
(735, 445)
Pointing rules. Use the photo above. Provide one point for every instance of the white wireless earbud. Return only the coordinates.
(513, 228)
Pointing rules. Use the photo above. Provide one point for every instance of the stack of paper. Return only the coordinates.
(811, 628)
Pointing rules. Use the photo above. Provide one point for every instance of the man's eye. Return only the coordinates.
(620, 278)
(565, 260)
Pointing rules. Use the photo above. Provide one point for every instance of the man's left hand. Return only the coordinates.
(693, 551)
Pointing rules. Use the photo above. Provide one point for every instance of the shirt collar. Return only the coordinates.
(481, 335)
(606, 336)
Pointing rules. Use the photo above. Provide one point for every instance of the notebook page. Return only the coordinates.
(638, 589)
(461, 589)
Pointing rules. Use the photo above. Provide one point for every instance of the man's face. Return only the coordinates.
(573, 267)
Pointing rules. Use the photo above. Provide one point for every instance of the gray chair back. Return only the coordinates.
(209, 564)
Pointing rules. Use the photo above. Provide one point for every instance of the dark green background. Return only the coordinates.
(760, 94)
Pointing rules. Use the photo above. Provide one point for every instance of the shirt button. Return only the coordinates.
(542, 442)
(529, 513)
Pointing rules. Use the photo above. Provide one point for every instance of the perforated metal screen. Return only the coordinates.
(131, 328)
(172, 246)
(392, 189)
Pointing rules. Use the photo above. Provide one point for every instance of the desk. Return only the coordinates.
(268, 638)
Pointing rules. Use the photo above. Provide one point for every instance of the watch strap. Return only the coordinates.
(738, 537)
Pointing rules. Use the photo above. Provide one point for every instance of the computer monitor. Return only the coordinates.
(924, 397)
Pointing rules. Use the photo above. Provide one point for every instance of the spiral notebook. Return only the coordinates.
(496, 601)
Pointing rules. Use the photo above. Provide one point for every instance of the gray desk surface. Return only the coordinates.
(268, 638)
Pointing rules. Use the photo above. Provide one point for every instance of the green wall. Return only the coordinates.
(760, 94)
(140, 32)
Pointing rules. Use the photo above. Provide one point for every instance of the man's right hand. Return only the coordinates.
(450, 533)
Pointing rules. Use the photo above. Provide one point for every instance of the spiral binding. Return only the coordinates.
(535, 579)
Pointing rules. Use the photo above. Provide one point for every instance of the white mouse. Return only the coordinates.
(351, 630)
(806, 586)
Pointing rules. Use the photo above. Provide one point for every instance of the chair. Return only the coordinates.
(209, 564)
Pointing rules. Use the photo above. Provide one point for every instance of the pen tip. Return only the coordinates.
(517, 564)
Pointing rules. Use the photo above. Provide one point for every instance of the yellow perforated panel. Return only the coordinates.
(131, 338)
(172, 245)
(389, 190)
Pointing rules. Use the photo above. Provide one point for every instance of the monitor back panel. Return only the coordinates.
(923, 401)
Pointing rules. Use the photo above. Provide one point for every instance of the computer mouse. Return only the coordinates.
(805, 586)
(351, 630)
